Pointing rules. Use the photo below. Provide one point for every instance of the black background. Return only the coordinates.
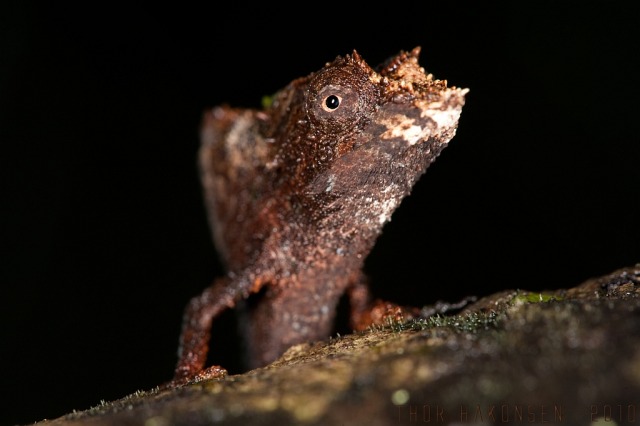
(104, 235)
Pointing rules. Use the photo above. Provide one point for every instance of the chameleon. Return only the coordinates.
(297, 193)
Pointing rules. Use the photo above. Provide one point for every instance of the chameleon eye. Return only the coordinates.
(335, 105)
(338, 99)
(331, 102)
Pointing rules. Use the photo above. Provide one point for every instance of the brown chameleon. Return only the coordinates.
(297, 194)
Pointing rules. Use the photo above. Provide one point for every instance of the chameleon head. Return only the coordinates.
(400, 102)
(380, 128)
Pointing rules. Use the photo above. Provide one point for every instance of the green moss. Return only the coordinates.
(527, 297)
(468, 323)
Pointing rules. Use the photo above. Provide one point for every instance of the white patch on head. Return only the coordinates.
(447, 112)
(444, 118)
(399, 126)
(436, 118)
(411, 134)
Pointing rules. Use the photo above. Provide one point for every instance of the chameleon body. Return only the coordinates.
(298, 192)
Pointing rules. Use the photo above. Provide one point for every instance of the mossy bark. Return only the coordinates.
(565, 356)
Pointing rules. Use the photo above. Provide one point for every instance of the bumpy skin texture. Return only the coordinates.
(298, 193)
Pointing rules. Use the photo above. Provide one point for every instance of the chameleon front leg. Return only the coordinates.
(198, 317)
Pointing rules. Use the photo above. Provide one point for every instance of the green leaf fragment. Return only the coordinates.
(267, 101)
